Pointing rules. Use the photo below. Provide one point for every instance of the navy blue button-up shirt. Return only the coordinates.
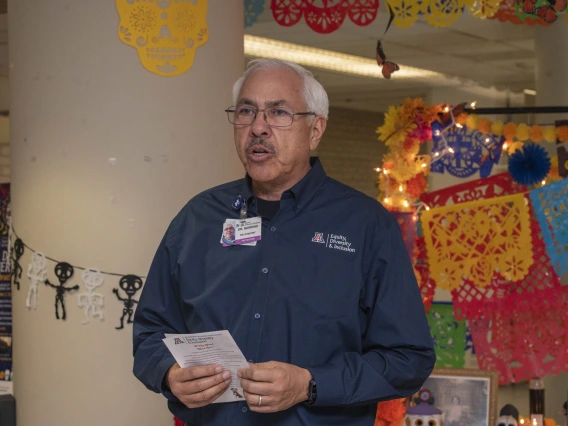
(329, 287)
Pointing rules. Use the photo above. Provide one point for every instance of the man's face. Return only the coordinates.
(229, 232)
(276, 155)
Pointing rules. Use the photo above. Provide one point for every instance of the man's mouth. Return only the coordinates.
(259, 151)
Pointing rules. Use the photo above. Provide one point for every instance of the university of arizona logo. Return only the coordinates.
(318, 238)
(177, 341)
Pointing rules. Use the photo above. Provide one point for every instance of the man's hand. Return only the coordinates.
(198, 386)
(280, 385)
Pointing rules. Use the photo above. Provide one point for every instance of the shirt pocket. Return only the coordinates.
(325, 284)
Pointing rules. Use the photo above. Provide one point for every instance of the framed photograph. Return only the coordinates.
(467, 397)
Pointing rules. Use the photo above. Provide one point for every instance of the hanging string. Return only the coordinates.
(13, 232)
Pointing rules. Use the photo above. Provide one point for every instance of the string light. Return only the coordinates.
(543, 182)
(473, 104)
(424, 165)
(377, 169)
(451, 150)
(405, 203)
(447, 109)
(385, 171)
(436, 154)
(400, 188)
(458, 125)
(505, 145)
(437, 133)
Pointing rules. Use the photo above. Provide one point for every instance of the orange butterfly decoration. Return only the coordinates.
(388, 67)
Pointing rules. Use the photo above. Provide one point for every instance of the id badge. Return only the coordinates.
(241, 231)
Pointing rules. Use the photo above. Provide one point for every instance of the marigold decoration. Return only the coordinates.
(474, 240)
(509, 131)
(484, 126)
(535, 133)
(391, 413)
(405, 127)
(530, 165)
(416, 185)
(522, 132)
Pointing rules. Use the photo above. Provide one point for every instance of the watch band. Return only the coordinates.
(312, 392)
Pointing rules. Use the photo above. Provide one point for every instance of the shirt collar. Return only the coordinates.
(303, 191)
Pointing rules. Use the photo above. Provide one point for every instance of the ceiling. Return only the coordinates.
(485, 52)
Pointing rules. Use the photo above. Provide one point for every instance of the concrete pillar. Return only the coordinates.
(104, 155)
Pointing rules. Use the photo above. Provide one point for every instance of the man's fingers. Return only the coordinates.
(257, 388)
(265, 407)
(192, 373)
(258, 374)
(199, 385)
(207, 396)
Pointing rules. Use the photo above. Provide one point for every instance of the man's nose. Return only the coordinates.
(259, 126)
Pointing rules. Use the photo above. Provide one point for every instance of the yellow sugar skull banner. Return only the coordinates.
(166, 33)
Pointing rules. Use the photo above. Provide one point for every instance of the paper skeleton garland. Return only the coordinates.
(36, 275)
(16, 267)
(130, 284)
(64, 272)
(92, 278)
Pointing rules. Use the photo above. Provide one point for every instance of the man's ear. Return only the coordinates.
(316, 132)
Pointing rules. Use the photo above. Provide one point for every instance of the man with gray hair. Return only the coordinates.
(324, 303)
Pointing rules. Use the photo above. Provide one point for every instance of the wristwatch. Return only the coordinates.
(312, 392)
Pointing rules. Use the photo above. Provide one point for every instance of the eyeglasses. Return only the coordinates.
(274, 117)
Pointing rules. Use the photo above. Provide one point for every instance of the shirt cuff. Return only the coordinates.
(162, 370)
(330, 386)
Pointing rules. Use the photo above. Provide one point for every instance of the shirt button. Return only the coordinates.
(273, 228)
(265, 270)
(244, 409)
(256, 316)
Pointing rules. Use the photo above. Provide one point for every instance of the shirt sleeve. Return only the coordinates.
(398, 354)
(158, 312)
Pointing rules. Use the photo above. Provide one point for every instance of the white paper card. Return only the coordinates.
(217, 347)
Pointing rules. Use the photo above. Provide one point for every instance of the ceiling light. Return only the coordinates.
(326, 59)
(529, 92)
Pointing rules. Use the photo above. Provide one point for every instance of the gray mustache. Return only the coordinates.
(261, 142)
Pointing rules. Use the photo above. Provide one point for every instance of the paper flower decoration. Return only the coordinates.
(549, 133)
(535, 133)
(472, 122)
(515, 146)
(497, 128)
(562, 133)
(484, 126)
(522, 132)
(529, 165)
(510, 131)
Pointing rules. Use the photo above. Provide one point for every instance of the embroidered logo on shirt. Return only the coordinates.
(333, 241)
(318, 238)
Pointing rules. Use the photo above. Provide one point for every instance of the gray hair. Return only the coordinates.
(315, 95)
